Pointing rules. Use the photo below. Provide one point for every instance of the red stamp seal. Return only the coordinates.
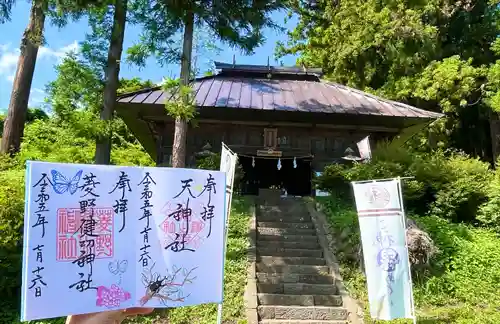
(69, 221)
(189, 227)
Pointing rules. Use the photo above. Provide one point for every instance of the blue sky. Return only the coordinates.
(60, 41)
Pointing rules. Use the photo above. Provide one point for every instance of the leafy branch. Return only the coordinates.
(181, 104)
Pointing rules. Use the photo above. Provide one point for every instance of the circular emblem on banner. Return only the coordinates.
(377, 196)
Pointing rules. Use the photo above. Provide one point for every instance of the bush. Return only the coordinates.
(462, 283)
(451, 185)
(11, 227)
(489, 212)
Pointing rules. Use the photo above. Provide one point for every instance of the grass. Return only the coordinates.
(234, 282)
(463, 283)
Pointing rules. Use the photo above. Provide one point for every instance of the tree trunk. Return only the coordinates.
(18, 106)
(103, 144)
(180, 135)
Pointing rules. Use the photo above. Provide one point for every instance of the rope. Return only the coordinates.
(276, 158)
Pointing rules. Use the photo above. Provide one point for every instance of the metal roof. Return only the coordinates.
(223, 91)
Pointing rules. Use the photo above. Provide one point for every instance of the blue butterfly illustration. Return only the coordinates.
(61, 184)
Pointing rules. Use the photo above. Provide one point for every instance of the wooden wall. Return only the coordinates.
(325, 144)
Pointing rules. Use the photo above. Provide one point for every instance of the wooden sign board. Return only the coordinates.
(269, 153)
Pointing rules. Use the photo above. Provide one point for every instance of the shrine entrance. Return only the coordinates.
(263, 173)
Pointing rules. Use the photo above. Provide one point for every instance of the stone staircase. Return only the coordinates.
(294, 283)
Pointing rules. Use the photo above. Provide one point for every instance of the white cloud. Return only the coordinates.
(8, 61)
(37, 97)
(59, 53)
(9, 57)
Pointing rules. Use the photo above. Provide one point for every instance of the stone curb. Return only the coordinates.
(355, 311)
(250, 298)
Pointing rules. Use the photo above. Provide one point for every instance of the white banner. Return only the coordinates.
(383, 235)
(228, 160)
(100, 238)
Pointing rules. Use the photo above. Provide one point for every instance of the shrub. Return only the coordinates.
(449, 185)
(460, 287)
(11, 227)
(489, 212)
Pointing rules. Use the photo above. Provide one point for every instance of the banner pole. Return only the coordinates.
(400, 193)
(381, 180)
(219, 313)
(226, 225)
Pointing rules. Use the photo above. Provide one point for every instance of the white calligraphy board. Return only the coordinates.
(383, 237)
(100, 238)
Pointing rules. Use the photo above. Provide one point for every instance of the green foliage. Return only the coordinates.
(32, 115)
(75, 97)
(5, 10)
(211, 162)
(489, 213)
(11, 227)
(237, 23)
(182, 104)
(462, 284)
(452, 185)
(134, 84)
(436, 55)
(77, 87)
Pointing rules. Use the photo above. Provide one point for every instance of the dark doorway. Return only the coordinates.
(265, 173)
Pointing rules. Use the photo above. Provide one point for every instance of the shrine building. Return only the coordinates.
(268, 114)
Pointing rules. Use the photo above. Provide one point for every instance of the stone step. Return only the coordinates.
(277, 321)
(299, 225)
(284, 252)
(270, 260)
(299, 300)
(283, 206)
(288, 238)
(294, 278)
(285, 231)
(301, 312)
(290, 245)
(297, 288)
(298, 269)
(285, 218)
